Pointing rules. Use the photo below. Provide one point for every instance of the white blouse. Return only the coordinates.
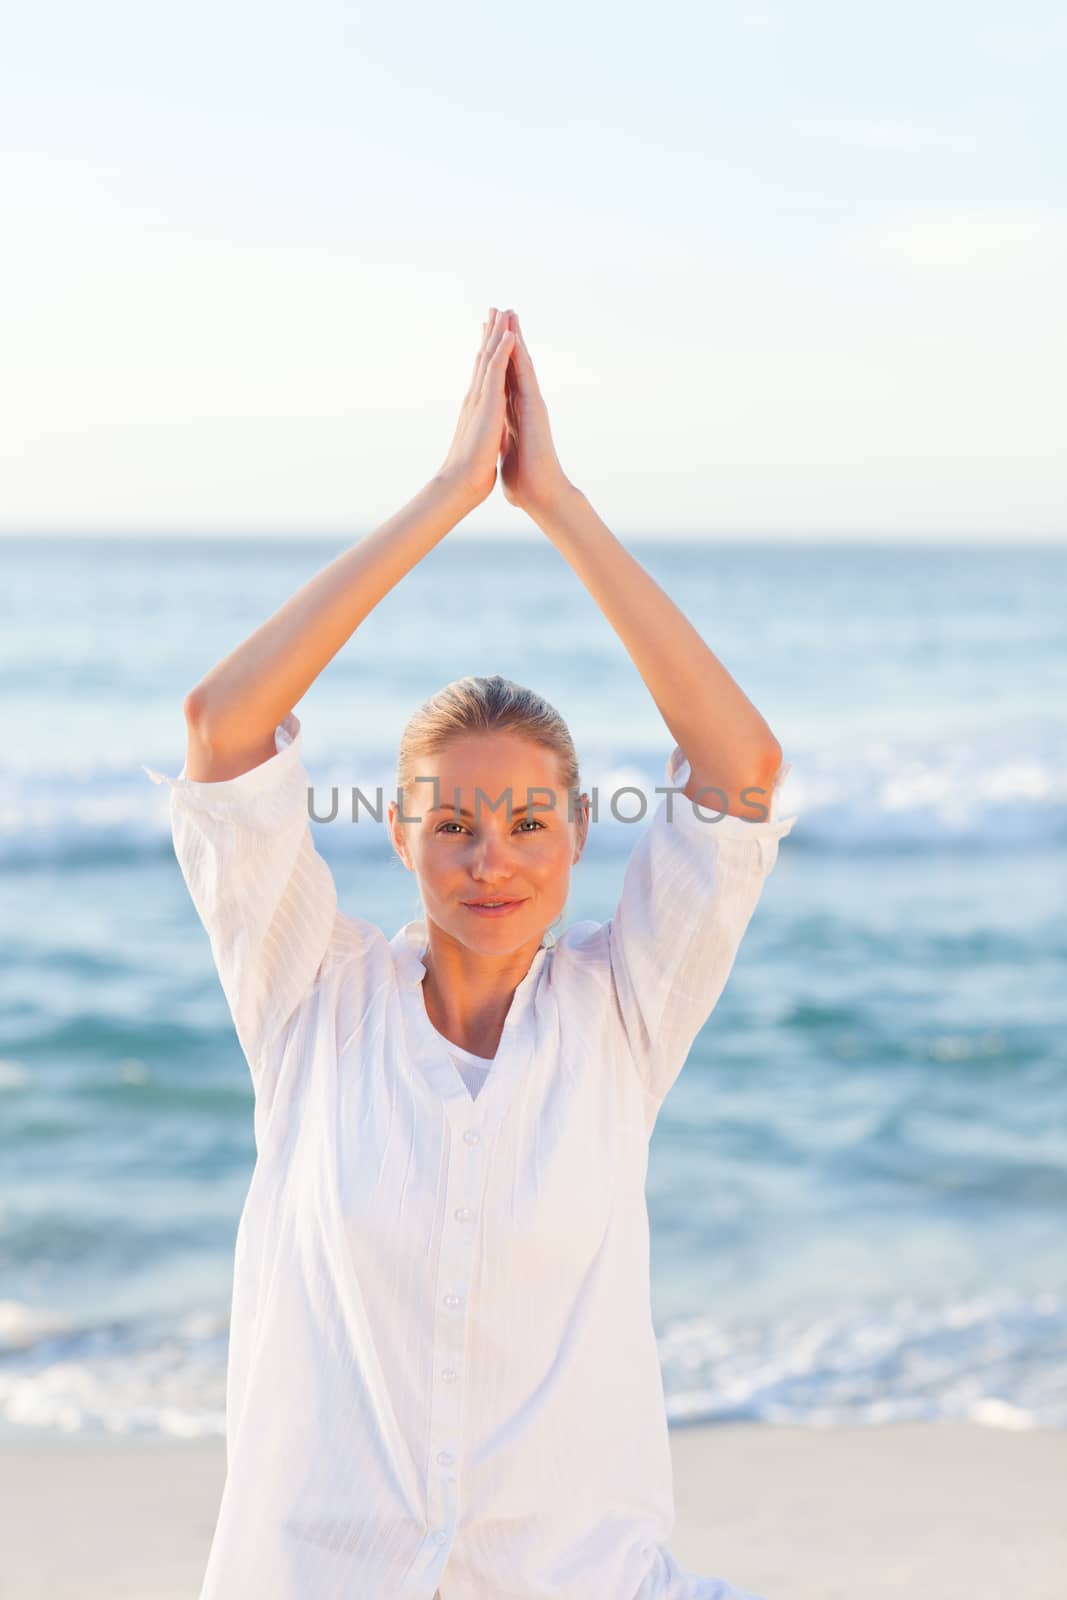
(442, 1374)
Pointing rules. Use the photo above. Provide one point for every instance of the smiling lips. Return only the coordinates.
(499, 908)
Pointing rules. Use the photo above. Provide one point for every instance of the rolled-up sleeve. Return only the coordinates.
(265, 896)
(690, 887)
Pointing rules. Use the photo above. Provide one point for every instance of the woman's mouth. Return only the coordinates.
(491, 908)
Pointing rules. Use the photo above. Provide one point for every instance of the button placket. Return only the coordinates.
(464, 1185)
(463, 1191)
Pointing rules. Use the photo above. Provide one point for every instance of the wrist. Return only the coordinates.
(553, 508)
(454, 492)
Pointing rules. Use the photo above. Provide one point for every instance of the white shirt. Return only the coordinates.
(442, 1374)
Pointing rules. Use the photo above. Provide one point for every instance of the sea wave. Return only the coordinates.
(1000, 1361)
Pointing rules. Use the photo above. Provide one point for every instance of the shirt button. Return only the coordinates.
(444, 1459)
(452, 1300)
(464, 1214)
(471, 1137)
(449, 1375)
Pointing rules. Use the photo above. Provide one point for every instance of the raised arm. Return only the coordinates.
(727, 741)
(232, 713)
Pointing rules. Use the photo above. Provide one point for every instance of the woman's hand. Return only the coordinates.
(476, 444)
(530, 473)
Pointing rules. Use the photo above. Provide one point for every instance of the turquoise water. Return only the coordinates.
(858, 1185)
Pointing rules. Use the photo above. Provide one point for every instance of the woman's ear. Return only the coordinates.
(396, 836)
(583, 823)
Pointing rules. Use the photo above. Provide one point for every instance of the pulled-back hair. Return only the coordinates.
(483, 705)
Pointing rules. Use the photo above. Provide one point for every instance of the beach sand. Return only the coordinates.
(941, 1511)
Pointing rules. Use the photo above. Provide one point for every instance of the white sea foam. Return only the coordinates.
(878, 794)
(969, 1360)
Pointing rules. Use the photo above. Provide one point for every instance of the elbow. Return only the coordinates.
(769, 764)
(193, 708)
(770, 767)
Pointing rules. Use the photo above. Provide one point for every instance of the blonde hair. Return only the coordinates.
(483, 705)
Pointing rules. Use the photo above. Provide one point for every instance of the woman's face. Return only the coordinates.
(465, 847)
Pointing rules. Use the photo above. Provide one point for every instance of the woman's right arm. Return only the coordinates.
(232, 713)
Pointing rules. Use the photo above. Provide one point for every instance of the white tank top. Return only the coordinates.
(472, 1069)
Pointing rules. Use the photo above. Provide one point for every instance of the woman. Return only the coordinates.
(443, 1377)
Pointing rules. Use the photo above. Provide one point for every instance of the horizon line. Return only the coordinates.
(733, 536)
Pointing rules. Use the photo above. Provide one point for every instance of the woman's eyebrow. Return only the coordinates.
(463, 812)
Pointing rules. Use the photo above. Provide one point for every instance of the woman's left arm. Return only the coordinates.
(728, 743)
(729, 746)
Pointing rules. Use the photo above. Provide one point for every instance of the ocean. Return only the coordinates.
(857, 1186)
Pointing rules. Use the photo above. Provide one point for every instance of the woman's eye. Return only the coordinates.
(532, 821)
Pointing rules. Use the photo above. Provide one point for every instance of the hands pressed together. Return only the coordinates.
(504, 419)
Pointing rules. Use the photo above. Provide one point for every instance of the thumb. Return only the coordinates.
(503, 349)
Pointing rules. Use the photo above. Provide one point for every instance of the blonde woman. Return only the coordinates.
(443, 1378)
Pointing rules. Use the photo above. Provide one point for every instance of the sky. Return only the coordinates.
(785, 272)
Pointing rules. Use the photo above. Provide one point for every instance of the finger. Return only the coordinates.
(501, 356)
(524, 366)
(524, 352)
(486, 325)
(500, 336)
(485, 353)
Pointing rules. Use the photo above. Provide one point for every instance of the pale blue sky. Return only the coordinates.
(786, 271)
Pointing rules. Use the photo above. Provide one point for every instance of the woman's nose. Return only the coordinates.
(492, 855)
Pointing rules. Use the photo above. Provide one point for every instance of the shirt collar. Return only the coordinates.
(409, 947)
(412, 942)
